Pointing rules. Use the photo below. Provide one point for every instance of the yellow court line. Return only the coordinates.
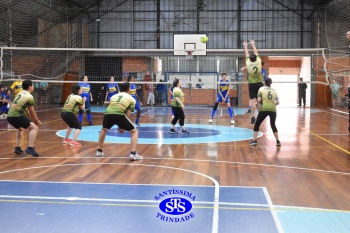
(336, 146)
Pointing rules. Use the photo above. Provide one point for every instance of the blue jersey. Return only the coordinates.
(224, 87)
(86, 90)
(112, 88)
(263, 72)
(133, 88)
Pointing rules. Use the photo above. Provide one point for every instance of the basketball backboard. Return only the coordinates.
(189, 42)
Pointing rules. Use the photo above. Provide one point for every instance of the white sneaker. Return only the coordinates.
(99, 154)
(232, 122)
(210, 120)
(134, 157)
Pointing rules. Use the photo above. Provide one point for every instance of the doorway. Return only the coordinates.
(287, 89)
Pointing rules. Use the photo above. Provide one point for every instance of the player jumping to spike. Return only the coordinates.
(253, 64)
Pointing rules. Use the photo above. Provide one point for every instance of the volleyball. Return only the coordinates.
(204, 39)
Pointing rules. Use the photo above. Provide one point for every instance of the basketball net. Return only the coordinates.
(189, 54)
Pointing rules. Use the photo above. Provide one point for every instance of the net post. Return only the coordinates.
(1, 63)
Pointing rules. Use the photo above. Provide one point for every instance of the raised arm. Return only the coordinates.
(245, 45)
(252, 42)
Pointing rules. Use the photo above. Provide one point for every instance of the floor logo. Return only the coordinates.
(175, 205)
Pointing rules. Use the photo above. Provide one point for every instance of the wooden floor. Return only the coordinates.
(311, 169)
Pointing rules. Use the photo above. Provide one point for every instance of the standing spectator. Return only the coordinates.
(178, 106)
(3, 102)
(268, 98)
(139, 90)
(112, 89)
(199, 84)
(335, 91)
(150, 99)
(118, 113)
(70, 108)
(101, 95)
(24, 104)
(161, 90)
(348, 95)
(42, 92)
(16, 86)
(86, 92)
(253, 64)
(8, 98)
(302, 92)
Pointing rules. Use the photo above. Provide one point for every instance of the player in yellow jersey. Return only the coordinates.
(178, 105)
(16, 86)
(268, 98)
(118, 113)
(255, 78)
(68, 114)
(23, 106)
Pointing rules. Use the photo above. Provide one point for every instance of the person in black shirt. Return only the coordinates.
(302, 92)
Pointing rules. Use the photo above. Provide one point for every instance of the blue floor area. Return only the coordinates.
(79, 207)
(159, 134)
(29, 207)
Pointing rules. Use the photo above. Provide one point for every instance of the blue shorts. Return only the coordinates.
(110, 95)
(87, 104)
(137, 104)
(219, 99)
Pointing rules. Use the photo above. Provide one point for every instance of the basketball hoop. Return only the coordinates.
(189, 54)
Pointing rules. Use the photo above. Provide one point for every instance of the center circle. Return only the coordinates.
(162, 131)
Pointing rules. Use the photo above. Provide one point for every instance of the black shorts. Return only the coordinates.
(19, 122)
(254, 89)
(71, 120)
(114, 119)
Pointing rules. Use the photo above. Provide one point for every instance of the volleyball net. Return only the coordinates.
(57, 69)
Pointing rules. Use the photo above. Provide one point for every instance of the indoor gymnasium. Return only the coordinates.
(174, 116)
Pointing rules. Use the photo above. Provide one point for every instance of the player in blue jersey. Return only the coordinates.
(111, 89)
(86, 92)
(133, 93)
(223, 97)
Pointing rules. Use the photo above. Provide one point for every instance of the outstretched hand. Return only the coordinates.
(245, 43)
(252, 42)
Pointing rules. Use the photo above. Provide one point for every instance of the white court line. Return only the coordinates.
(273, 212)
(174, 159)
(152, 110)
(215, 226)
(129, 200)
